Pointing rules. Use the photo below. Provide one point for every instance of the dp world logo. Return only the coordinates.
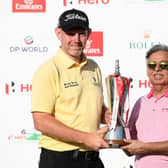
(28, 40)
(29, 46)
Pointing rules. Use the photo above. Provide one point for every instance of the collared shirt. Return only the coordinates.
(71, 92)
(149, 123)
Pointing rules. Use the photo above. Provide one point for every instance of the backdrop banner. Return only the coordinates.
(121, 29)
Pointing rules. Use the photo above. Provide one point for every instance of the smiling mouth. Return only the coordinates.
(76, 47)
(158, 76)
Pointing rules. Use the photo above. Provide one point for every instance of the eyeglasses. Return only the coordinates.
(162, 65)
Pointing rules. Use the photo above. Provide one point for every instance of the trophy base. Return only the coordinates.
(115, 137)
(117, 143)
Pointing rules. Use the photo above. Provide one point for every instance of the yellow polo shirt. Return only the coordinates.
(71, 92)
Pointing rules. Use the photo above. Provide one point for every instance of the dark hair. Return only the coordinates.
(155, 48)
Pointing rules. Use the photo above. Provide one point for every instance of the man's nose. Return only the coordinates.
(157, 68)
(77, 37)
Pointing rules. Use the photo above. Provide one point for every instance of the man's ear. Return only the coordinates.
(89, 32)
(58, 32)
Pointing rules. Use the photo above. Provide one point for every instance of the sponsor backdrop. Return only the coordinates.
(122, 29)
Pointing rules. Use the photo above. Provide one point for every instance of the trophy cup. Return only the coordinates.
(118, 103)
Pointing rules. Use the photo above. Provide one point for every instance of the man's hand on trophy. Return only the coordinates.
(133, 147)
(95, 140)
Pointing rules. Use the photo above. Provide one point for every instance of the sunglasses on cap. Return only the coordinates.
(162, 65)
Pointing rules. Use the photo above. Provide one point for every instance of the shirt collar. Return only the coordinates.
(67, 61)
(150, 94)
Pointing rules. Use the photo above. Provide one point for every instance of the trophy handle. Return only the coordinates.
(124, 104)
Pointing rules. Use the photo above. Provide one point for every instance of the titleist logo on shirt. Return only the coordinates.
(74, 16)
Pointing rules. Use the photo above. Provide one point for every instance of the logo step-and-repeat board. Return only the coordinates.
(121, 29)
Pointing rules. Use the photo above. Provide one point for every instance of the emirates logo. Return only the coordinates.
(28, 5)
(94, 45)
(29, 2)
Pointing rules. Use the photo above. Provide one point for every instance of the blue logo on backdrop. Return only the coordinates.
(28, 47)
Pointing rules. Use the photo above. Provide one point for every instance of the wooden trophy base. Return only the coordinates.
(117, 143)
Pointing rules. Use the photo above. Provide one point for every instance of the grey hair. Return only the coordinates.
(155, 48)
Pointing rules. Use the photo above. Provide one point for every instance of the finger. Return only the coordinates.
(123, 147)
(103, 130)
(127, 140)
(104, 145)
(127, 153)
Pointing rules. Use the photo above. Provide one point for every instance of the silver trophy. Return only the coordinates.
(118, 103)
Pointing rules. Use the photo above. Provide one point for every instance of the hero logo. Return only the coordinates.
(13, 87)
(84, 2)
(94, 45)
(28, 6)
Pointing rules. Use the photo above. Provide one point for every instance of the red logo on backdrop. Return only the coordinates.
(13, 87)
(94, 46)
(86, 2)
(28, 5)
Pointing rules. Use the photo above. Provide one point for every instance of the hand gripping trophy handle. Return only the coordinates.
(118, 103)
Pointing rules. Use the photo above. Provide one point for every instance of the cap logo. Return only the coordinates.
(74, 16)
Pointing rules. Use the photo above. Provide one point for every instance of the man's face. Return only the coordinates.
(73, 42)
(157, 75)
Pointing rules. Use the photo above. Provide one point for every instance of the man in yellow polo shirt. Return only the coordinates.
(67, 100)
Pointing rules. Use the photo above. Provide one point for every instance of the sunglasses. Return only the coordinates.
(162, 65)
